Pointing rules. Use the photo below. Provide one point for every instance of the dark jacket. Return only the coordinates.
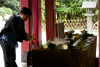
(17, 26)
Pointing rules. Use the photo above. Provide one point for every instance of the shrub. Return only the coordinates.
(7, 10)
(14, 12)
(2, 12)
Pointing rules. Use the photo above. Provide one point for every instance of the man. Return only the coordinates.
(14, 31)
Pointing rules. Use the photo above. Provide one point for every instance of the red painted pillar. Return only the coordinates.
(33, 25)
(39, 23)
(99, 33)
(35, 21)
(25, 45)
(50, 16)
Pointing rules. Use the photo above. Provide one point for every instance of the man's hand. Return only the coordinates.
(28, 35)
(31, 42)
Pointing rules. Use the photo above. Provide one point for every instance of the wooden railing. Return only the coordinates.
(71, 24)
(74, 24)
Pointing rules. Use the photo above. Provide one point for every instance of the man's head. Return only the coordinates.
(25, 13)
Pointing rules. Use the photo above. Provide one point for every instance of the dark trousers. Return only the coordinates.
(9, 54)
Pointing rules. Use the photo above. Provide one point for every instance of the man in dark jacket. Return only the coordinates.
(12, 33)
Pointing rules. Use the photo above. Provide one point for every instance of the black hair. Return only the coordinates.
(25, 10)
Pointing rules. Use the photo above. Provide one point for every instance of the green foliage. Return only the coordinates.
(2, 12)
(7, 10)
(2, 2)
(71, 9)
(9, 6)
(14, 12)
(13, 4)
(97, 12)
(18, 0)
(43, 10)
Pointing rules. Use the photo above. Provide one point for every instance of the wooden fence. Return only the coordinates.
(71, 24)
(74, 24)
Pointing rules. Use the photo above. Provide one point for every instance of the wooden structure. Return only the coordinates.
(34, 24)
(99, 33)
(59, 30)
(64, 58)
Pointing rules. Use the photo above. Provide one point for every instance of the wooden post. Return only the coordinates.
(25, 45)
(99, 33)
(50, 16)
(33, 25)
(35, 21)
